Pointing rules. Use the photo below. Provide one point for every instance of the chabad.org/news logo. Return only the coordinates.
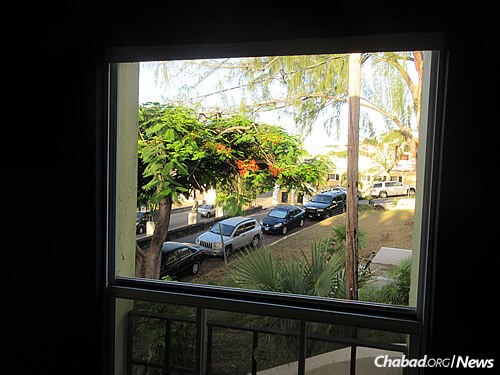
(457, 361)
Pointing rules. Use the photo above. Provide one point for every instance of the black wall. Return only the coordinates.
(56, 73)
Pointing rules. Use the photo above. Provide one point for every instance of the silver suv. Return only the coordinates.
(237, 232)
(384, 189)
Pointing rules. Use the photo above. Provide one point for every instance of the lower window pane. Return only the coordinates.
(160, 338)
(246, 344)
(157, 338)
(332, 349)
(374, 361)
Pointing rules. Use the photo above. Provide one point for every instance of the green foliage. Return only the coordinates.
(397, 292)
(389, 148)
(149, 334)
(321, 274)
(180, 153)
(336, 242)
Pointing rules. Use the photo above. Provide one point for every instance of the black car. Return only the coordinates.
(326, 204)
(178, 258)
(141, 220)
(282, 218)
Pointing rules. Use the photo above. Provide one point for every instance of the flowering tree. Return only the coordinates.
(183, 152)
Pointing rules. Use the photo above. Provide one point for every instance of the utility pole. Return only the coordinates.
(352, 177)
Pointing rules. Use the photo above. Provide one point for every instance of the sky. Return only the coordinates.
(152, 89)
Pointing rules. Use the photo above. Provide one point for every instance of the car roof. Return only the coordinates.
(336, 192)
(284, 207)
(236, 220)
(171, 246)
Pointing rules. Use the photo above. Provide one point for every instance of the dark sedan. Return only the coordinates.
(178, 258)
(282, 218)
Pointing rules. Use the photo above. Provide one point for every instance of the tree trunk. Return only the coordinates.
(140, 261)
(351, 268)
(153, 256)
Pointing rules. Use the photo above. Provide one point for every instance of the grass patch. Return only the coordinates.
(392, 228)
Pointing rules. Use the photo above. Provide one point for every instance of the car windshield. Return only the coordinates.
(322, 199)
(226, 229)
(279, 214)
(207, 206)
(139, 215)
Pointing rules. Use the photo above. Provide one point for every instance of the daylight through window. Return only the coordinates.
(260, 189)
(240, 175)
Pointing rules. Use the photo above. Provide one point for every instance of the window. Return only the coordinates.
(172, 257)
(250, 226)
(184, 252)
(207, 312)
(284, 196)
(227, 230)
(240, 230)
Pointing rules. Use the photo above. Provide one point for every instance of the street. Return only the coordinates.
(180, 218)
(211, 262)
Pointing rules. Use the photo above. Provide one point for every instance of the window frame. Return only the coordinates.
(359, 314)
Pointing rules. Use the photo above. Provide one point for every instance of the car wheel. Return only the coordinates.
(195, 268)
(229, 251)
(411, 192)
(208, 215)
(301, 224)
(284, 230)
(255, 241)
(140, 230)
(383, 194)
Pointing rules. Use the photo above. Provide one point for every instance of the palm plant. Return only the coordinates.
(316, 275)
(398, 291)
(337, 239)
(321, 274)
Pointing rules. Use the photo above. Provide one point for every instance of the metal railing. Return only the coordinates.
(204, 342)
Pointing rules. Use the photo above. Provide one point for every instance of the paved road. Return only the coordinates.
(268, 238)
(179, 219)
(211, 262)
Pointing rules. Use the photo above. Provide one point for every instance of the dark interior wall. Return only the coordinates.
(55, 273)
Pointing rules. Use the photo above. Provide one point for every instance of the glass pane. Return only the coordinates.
(182, 149)
(159, 337)
(330, 349)
(374, 361)
(245, 343)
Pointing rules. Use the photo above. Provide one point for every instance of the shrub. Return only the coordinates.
(397, 292)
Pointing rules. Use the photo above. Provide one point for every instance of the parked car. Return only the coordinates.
(326, 204)
(237, 232)
(360, 195)
(207, 210)
(178, 258)
(282, 218)
(387, 188)
(142, 218)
